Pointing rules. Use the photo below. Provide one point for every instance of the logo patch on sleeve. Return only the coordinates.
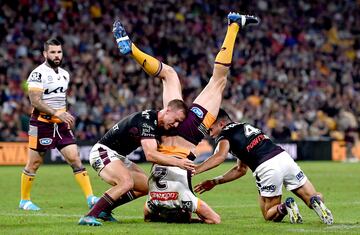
(198, 112)
(45, 141)
(300, 176)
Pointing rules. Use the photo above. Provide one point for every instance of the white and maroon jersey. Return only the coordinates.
(170, 188)
(53, 85)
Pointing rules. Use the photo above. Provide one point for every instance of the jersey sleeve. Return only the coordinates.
(147, 127)
(221, 136)
(35, 81)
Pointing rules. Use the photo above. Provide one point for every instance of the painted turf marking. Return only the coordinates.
(57, 215)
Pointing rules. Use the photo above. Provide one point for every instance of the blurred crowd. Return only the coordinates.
(296, 75)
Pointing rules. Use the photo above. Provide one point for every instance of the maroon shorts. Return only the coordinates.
(44, 136)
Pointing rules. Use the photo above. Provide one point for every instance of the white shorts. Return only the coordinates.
(101, 155)
(170, 188)
(279, 170)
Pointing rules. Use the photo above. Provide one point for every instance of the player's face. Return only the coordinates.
(215, 129)
(173, 118)
(54, 55)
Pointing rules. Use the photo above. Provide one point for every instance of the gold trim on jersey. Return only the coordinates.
(174, 151)
(209, 119)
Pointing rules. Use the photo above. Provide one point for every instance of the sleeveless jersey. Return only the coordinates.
(125, 136)
(249, 144)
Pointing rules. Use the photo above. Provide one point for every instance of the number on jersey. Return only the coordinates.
(250, 130)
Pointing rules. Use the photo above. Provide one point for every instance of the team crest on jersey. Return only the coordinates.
(45, 141)
(186, 205)
(198, 112)
(35, 77)
(50, 78)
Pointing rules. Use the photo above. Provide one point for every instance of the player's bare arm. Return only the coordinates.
(39, 104)
(219, 157)
(234, 173)
(152, 155)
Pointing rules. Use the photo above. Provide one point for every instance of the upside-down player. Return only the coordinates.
(170, 187)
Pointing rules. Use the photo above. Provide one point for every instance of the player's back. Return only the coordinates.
(249, 143)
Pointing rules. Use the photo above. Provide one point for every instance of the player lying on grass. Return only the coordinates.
(108, 157)
(202, 113)
(271, 166)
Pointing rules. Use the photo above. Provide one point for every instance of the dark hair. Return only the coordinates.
(178, 105)
(53, 42)
(223, 115)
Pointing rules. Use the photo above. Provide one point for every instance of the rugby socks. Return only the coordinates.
(282, 212)
(224, 57)
(83, 180)
(27, 180)
(151, 65)
(104, 203)
(125, 198)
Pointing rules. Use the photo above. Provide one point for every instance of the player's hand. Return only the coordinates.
(65, 117)
(204, 186)
(186, 164)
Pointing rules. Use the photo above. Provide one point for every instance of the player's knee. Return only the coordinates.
(124, 182)
(33, 166)
(168, 72)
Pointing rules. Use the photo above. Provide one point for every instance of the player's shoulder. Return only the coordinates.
(233, 125)
(64, 72)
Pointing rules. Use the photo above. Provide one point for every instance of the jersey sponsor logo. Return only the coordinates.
(187, 205)
(35, 77)
(164, 196)
(300, 176)
(255, 142)
(50, 78)
(45, 141)
(268, 188)
(57, 90)
(198, 112)
(147, 130)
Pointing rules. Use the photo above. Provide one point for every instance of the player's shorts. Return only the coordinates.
(196, 125)
(46, 135)
(101, 155)
(170, 188)
(273, 173)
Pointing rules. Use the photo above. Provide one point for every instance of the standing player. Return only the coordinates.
(271, 166)
(200, 117)
(50, 124)
(108, 157)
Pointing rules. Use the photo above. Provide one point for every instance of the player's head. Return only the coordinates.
(53, 52)
(174, 113)
(222, 119)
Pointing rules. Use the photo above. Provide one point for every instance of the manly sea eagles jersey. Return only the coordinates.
(125, 136)
(249, 144)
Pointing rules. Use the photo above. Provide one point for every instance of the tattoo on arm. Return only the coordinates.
(38, 103)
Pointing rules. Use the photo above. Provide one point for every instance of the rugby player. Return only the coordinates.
(181, 143)
(271, 166)
(50, 124)
(108, 157)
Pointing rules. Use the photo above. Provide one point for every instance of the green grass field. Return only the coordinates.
(62, 203)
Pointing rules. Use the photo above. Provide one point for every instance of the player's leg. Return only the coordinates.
(314, 200)
(207, 214)
(116, 174)
(35, 159)
(210, 98)
(151, 65)
(71, 155)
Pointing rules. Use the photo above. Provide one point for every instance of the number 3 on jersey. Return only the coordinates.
(250, 130)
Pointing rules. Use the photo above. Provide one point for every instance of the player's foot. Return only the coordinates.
(321, 210)
(28, 205)
(89, 220)
(242, 20)
(92, 200)
(122, 39)
(293, 211)
(107, 217)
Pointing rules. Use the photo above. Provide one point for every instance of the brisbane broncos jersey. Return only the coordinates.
(125, 136)
(249, 144)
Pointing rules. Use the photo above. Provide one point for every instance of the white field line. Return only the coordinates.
(31, 214)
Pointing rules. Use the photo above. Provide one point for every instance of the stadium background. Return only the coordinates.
(296, 75)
